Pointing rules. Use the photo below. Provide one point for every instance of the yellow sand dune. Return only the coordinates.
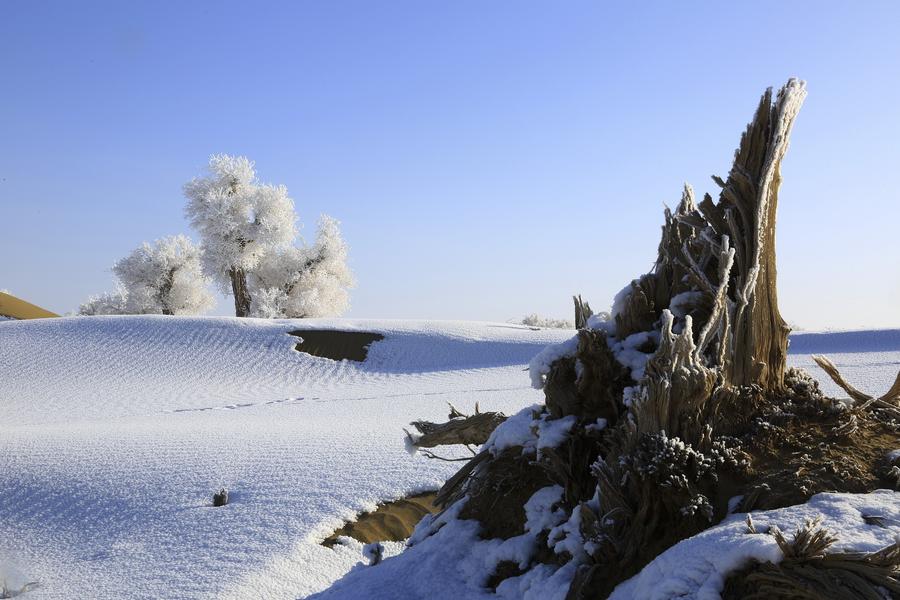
(10, 306)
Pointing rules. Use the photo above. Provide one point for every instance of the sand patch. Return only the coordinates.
(16, 308)
(390, 522)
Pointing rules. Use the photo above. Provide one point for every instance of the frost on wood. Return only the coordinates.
(688, 378)
(718, 259)
(743, 556)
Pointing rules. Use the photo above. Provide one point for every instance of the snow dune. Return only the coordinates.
(115, 432)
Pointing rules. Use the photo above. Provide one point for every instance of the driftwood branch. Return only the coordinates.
(432, 455)
(830, 368)
(469, 430)
(887, 401)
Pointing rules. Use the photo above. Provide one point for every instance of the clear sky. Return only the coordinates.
(486, 159)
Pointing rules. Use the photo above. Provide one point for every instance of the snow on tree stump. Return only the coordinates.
(658, 417)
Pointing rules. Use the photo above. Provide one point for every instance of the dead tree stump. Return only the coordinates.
(682, 398)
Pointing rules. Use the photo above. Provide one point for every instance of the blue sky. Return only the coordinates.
(486, 159)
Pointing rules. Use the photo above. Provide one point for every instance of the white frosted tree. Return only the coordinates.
(165, 277)
(304, 282)
(107, 303)
(536, 320)
(239, 221)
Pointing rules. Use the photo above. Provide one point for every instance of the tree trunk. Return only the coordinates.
(164, 290)
(749, 204)
(240, 291)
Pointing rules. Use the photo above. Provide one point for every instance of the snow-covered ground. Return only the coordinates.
(694, 569)
(115, 432)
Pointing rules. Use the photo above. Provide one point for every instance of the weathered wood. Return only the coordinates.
(583, 312)
(594, 393)
(745, 331)
(453, 488)
(662, 445)
(889, 400)
(466, 430)
(810, 569)
(750, 197)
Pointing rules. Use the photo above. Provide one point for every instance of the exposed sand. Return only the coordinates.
(10, 306)
(390, 522)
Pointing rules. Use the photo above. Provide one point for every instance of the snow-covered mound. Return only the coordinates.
(116, 431)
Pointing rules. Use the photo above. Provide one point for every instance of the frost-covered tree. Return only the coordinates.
(165, 277)
(107, 303)
(536, 320)
(304, 282)
(239, 220)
